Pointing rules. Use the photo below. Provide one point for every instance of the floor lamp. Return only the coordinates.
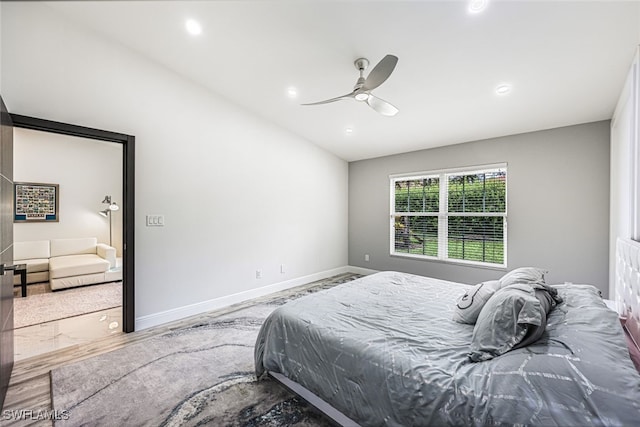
(107, 213)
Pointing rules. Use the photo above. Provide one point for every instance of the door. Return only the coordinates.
(6, 249)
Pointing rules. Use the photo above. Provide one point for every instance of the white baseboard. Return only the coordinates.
(156, 319)
(361, 270)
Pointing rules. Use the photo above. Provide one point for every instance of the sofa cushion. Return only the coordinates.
(30, 250)
(63, 247)
(74, 281)
(36, 265)
(76, 265)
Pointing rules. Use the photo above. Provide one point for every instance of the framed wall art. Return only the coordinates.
(36, 202)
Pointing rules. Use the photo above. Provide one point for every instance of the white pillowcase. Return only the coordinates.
(469, 305)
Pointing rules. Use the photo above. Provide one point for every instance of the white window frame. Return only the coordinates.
(443, 213)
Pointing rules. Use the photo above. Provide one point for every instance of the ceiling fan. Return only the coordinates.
(363, 87)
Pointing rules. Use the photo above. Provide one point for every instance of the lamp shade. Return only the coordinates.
(114, 207)
(104, 213)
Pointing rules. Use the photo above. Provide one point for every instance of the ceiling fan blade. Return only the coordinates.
(381, 106)
(326, 101)
(380, 72)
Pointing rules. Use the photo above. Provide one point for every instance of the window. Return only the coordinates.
(455, 215)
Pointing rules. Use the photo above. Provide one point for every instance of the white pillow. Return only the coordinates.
(470, 304)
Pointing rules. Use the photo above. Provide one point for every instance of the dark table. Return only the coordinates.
(22, 270)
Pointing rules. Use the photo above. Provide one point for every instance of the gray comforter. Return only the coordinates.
(383, 350)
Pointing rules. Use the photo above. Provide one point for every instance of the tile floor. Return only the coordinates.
(72, 331)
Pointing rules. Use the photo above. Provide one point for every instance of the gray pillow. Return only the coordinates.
(534, 332)
(504, 322)
(470, 304)
(529, 275)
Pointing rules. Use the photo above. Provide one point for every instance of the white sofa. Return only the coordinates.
(66, 263)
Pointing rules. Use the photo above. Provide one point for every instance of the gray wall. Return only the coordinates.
(558, 204)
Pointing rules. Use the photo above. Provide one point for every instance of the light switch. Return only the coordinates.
(155, 220)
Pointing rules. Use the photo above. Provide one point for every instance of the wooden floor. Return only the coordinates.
(29, 393)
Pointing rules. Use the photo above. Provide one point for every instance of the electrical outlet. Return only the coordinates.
(258, 274)
(366, 257)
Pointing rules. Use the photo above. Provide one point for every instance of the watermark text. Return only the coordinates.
(34, 414)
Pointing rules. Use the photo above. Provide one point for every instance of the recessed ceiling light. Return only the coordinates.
(193, 27)
(348, 131)
(503, 89)
(292, 92)
(477, 6)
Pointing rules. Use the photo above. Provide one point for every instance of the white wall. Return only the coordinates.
(558, 204)
(238, 193)
(86, 170)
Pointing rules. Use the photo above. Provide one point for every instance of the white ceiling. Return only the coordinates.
(566, 62)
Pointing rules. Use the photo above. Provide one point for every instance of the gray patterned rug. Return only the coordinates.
(202, 374)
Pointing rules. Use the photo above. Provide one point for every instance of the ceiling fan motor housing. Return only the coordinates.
(361, 64)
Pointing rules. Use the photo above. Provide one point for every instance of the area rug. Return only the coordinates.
(50, 306)
(202, 374)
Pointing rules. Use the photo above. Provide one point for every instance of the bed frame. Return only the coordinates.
(627, 301)
(333, 415)
(627, 293)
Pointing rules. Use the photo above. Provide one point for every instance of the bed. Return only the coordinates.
(384, 350)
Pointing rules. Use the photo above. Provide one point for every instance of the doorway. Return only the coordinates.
(128, 199)
(55, 309)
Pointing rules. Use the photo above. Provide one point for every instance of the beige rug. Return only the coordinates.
(48, 306)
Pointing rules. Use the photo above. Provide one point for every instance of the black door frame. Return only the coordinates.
(128, 187)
